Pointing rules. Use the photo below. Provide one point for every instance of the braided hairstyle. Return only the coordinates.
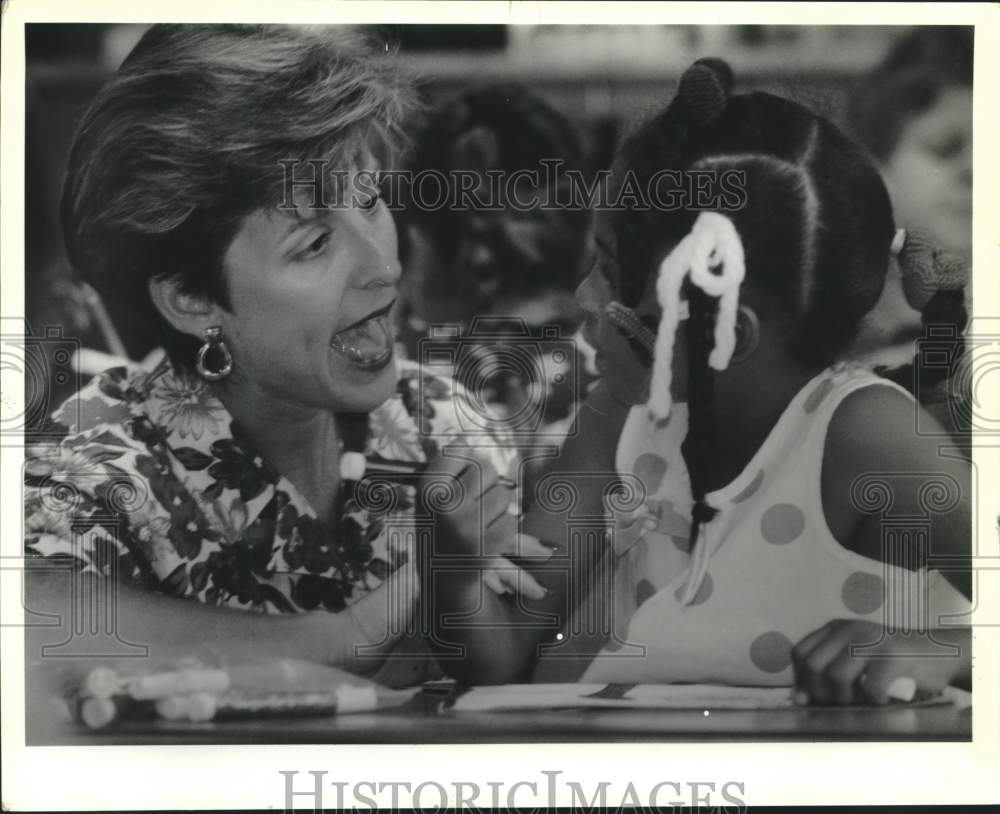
(815, 221)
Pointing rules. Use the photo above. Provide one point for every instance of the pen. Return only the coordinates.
(389, 468)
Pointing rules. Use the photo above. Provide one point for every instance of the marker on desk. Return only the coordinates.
(100, 713)
(104, 682)
(161, 685)
(388, 468)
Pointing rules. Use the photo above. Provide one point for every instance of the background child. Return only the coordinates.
(758, 558)
(914, 115)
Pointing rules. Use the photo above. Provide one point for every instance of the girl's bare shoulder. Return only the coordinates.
(878, 434)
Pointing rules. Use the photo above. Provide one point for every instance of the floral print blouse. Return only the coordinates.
(147, 477)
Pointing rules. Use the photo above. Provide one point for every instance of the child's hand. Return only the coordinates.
(829, 673)
(473, 506)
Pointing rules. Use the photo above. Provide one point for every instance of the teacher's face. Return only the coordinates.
(311, 304)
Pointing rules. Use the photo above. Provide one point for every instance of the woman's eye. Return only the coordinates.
(370, 203)
(316, 247)
(947, 147)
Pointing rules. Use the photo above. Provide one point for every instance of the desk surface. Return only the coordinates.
(423, 721)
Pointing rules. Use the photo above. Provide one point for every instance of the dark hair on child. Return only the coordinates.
(816, 225)
(502, 128)
(908, 82)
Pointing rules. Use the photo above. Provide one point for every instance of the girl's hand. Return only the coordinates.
(475, 512)
(828, 672)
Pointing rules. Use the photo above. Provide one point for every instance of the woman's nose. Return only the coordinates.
(381, 264)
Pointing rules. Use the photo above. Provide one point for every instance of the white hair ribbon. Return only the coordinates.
(712, 254)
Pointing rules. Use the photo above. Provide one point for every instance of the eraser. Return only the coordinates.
(173, 707)
(157, 685)
(903, 688)
(212, 681)
(98, 713)
(355, 699)
(201, 707)
(102, 682)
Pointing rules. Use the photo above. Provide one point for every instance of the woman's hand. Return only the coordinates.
(828, 672)
(476, 516)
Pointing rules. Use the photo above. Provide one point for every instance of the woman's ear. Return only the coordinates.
(190, 314)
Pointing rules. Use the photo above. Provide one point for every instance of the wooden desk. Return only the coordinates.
(423, 721)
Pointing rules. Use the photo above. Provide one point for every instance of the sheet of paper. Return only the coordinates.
(513, 697)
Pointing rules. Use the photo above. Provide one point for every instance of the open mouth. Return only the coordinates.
(367, 343)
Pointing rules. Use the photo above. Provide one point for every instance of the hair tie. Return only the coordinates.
(712, 255)
(705, 88)
(927, 269)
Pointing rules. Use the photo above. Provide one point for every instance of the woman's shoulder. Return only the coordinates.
(109, 398)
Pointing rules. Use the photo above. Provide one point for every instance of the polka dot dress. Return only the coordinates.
(774, 573)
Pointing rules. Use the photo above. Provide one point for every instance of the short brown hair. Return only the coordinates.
(186, 138)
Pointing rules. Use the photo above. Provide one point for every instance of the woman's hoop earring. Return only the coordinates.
(214, 343)
(747, 334)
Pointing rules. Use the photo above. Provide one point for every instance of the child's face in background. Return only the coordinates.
(929, 174)
(623, 364)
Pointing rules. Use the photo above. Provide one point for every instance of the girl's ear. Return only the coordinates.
(190, 314)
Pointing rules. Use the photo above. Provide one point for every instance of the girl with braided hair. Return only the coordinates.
(734, 406)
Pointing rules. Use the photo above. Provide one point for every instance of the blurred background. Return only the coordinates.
(497, 95)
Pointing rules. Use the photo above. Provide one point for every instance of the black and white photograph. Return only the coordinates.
(372, 379)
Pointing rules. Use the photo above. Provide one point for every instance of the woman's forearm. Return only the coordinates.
(170, 628)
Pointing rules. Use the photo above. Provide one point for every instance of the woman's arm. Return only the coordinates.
(503, 646)
(173, 628)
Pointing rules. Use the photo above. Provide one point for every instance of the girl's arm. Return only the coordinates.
(872, 439)
(503, 646)
(873, 436)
